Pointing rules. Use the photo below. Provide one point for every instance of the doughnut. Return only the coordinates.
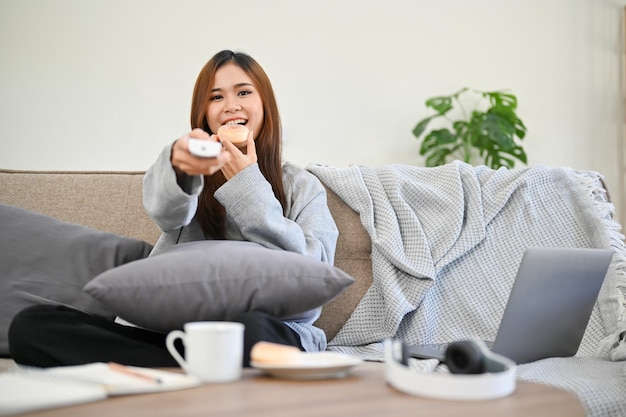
(233, 132)
(269, 353)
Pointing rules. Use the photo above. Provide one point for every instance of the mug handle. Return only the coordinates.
(169, 342)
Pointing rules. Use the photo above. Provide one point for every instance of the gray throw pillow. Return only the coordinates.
(216, 280)
(44, 260)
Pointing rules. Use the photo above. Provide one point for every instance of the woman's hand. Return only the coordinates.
(184, 162)
(239, 160)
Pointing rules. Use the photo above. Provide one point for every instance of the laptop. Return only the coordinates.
(549, 307)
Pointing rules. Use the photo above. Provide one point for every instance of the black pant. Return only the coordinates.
(47, 335)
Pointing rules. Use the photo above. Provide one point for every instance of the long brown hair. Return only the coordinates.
(211, 214)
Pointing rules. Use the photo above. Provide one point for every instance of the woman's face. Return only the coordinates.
(233, 98)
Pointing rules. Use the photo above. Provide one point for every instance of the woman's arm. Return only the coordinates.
(169, 204)
(173, 183)
(307, 226)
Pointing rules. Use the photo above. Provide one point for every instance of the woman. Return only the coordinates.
(245, 193)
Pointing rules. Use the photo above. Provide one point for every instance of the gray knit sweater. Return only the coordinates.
(252, 213)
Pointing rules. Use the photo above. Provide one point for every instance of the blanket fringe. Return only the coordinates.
(592, 182)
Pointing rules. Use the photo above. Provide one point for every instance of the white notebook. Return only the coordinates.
(28, 389)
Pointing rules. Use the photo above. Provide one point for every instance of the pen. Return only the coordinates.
(128, 371)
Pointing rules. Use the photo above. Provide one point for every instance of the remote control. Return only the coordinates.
(204, 148)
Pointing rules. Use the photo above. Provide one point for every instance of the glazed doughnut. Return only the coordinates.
(233, 132)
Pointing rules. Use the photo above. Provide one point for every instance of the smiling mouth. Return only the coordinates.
(236, 122)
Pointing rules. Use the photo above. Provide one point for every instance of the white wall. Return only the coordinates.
(105, 84)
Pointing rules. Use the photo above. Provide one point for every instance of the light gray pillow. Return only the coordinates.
(44, 260)
(216, 280)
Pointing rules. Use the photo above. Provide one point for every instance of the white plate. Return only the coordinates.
(318, 365)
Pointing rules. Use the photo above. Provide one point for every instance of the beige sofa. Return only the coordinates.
(112, 202)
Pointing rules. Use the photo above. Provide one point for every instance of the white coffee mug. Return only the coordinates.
(213, 350)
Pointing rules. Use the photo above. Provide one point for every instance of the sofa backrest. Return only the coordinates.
(353, 255)
(107, 201)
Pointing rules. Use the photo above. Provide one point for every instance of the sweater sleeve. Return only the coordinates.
(170, 206)
(306, 227)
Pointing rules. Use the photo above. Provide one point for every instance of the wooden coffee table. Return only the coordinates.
(362, 393)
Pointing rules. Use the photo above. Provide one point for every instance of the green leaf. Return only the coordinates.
(504, 162)
(435, 139)
(498, 130)
(438, 157)
(441, 105)
(501, 99)
(520, 154)
(421, 126)
(520, 129)
(461, 127)
(496, 158)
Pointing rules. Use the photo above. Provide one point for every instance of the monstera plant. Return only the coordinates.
(489, 134)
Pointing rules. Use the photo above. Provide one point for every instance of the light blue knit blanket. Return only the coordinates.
(446, 245)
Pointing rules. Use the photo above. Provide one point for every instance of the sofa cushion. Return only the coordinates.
(216, 280)
(44, 260)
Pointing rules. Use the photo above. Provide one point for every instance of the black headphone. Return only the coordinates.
(475, 372)
(471, 357)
